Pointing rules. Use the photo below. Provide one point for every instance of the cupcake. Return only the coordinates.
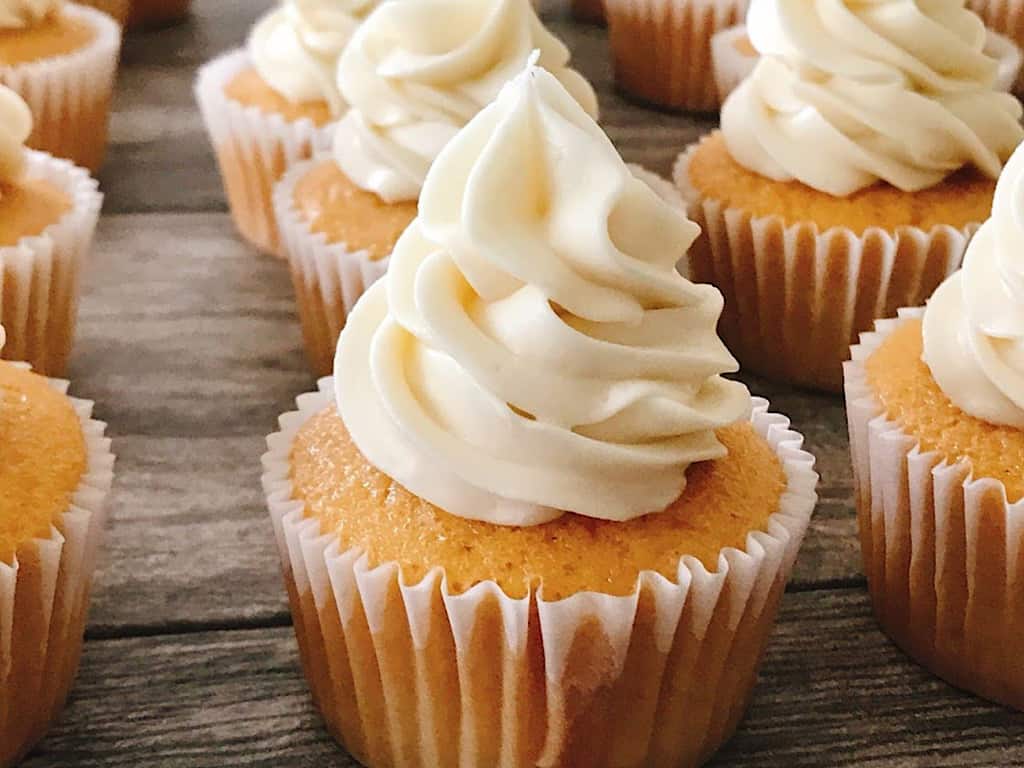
(847, 178)
(55, 473)
(734, 57)
(527, 522)
(62, 59)
(1006, 17)
(411, 86)
(149, 13)
(270, 105)
(48, 214)
(935, 400)
(661, 49)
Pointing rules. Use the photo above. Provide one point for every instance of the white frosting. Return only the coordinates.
(974, 324)
(413, 82)
(17, 14)
(532, 348)
(850, 92)
(295, 47)
(15, 127)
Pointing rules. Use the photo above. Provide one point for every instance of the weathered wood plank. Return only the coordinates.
(833, 693)
(160, 158)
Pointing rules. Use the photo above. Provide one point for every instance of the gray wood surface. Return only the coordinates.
(189, 344)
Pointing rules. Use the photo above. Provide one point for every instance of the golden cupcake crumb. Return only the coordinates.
(910, 396)
(250, 90)
(43, 457)
(961, 199)
(723, 502)
(337, 208)
(56, 36)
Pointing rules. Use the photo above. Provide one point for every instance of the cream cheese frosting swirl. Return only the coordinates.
(413, 82)
(15, 128)
(850, 92)
(532, 349)
(19, 14)
(295, 47)
(974, 324)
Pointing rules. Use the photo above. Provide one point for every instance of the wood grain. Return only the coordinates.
(833, 692)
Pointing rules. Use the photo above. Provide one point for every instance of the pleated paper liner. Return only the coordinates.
(44, 602)
(732, 66)
(70, 95)
(943, 550)
(796, 297)
(254, 149)
(329, 277)
(414, 675)
(40, 276)
(662, 48)
(1007, 18)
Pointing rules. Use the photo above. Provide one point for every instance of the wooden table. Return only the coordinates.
(190, 346)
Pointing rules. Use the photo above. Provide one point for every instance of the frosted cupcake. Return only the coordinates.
(662, 48)
(412, 85)
(48, 214)
(734, 57)
(55, 474)
(936, 408)
(852, 168)
(62, 59)
(270, 105)
(528, 522)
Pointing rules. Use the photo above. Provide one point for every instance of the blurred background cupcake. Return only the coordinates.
(270, 105)
(48, 214)
(62, 58)
(1007, 18)
(661, 49)
(411, 86)
(528, 522)
(935, 400)
(847, 180)
(55, 471)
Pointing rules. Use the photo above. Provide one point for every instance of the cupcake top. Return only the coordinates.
(21, 14)
(532, 349)
(974, 324)
(295, 47)
(15, 127)
(413, 82)
(850, 92)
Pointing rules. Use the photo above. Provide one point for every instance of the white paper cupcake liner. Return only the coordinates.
(796, 297)
(44, 602)
(328, 277)
(412, 674)
(254, 149)
(662, 48)
(1007, 18)
(70, 95)
(732, 66)
(40, 276)
(943, 550)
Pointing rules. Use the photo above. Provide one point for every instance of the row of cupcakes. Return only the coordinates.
(528, 522)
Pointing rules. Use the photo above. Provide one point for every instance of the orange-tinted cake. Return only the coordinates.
(961, 199)
(56, 36)
(911, 397)
(344, 213)
(28, 208)
(723, 502)
(43, 459)
(251, 90)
